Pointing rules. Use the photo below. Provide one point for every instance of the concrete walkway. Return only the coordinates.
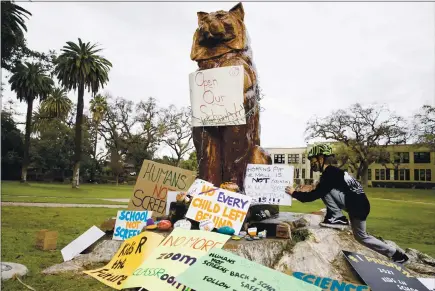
(26, 204)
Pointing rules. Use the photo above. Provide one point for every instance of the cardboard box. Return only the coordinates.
(46, 240)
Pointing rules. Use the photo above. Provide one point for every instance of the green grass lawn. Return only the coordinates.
(19, 226)
(13, 188)
(36, 199)
(408, 223)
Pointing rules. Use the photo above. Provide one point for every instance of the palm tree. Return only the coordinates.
(13, 25)
(98, 108)
(29, 81)
(57, 104)
(79, 67)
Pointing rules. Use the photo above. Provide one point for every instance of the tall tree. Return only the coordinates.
(80, 67)
(178, 133)
(153, 127)
(57, 105)
(424, 126)
(98, 108)
(29, 81)
(14, 46)
(11, 147)
(12, 33)
(365, 131)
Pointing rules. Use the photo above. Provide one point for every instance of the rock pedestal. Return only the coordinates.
(312, 249)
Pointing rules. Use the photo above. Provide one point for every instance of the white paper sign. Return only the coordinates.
(129, 223)
(171, 197)
(223, 207)
(199, 186)
(216, 96)
(266, 184)
(81, 243)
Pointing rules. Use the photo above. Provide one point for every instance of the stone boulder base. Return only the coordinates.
(312, 249)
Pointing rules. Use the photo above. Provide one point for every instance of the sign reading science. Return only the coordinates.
(153, 183)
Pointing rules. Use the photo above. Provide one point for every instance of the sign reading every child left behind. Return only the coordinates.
(130, 223)
(220, 270)
(266, 184)
(153, 183)
(129, 256)
(223, 207)
(177, 253)
(382, 275)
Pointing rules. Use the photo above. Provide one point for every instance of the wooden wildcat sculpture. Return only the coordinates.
(223, 152)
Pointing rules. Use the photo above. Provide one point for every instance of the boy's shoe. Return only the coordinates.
(332, 222)
(400, 257)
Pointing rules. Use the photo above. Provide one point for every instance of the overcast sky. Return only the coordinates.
(328, 54)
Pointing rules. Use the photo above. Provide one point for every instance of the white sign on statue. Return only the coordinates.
(266, 184)
(216, 96)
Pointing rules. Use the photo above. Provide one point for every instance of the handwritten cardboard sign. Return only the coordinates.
(382, 275)
(178, 252)
(216, 96)
(153, 183)
(130, 223)
(266, 184)
(81, 243)
(223, 207)
(328, 284)
(130, 255)
(220, 270)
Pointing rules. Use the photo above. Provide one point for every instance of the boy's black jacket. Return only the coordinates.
(356, 202)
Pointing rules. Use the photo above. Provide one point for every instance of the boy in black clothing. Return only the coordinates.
(340, 191)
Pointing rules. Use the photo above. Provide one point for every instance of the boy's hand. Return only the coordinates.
(289, 190)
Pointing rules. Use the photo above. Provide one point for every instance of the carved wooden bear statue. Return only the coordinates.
(223, 152)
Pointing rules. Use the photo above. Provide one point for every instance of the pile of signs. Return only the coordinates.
(193, 259)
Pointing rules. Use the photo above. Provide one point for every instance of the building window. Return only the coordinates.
(293, 158)
(303, 173)
(387, 174)
(377, 174)
(423, 175)
(382, 174)
(369, 174)
(279, 159)
(422, 157)
(297, 173)
(311, 173)
(303, 158)
(402, 175)
(401, 158)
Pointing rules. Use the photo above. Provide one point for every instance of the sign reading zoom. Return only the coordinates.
(382, 275)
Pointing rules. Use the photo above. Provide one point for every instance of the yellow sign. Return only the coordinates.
(129, 256)
(153, 183)
(180, 250)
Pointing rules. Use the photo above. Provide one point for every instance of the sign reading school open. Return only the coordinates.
(153, 183)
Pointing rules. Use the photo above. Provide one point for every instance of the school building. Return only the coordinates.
(408, 166)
